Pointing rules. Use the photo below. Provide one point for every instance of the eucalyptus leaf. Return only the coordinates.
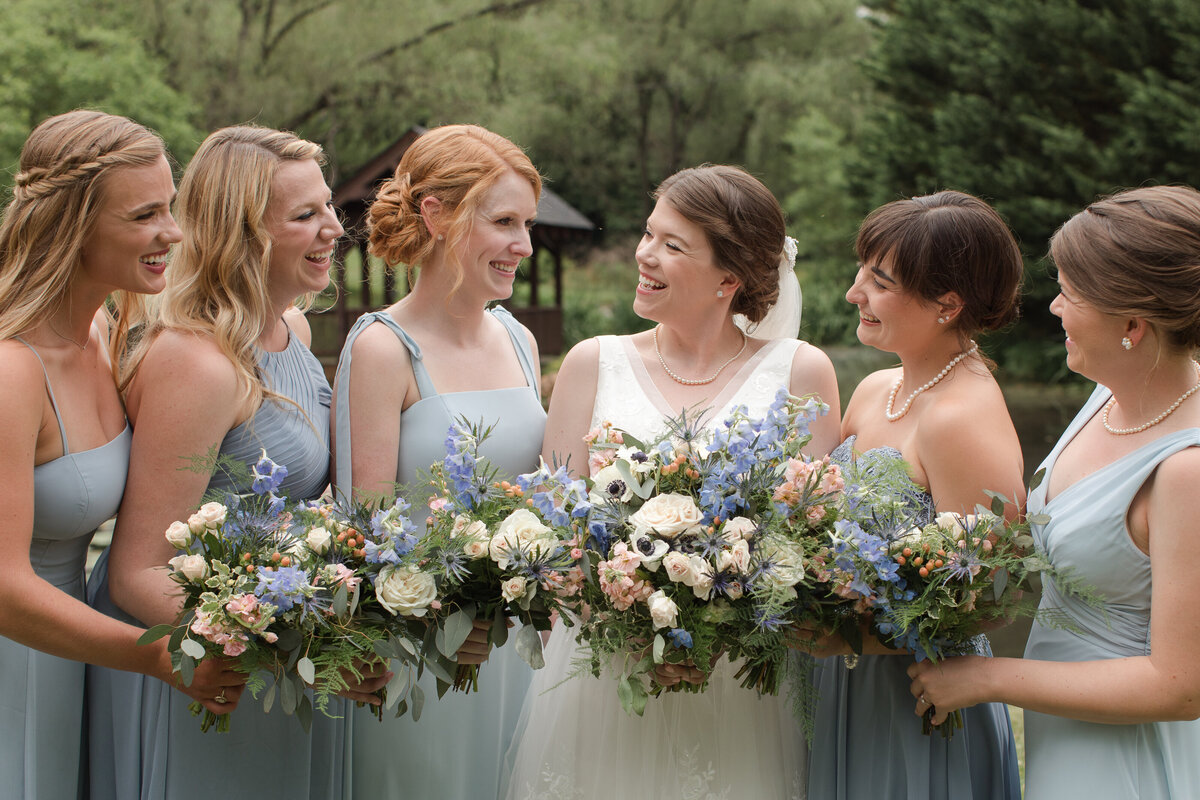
(529, 646)
(288, 696)
(187, 669)
(192, 648)
(398, 687)
(304, 713)
(177, 637)
(454, 632)
(289, 639)
(384, 648)
(998, 506)
(269, 699)
(341, 601)
(1037, 479)
(660, 644)
(307, 670)
(625, 693)
(442, 668)
(499, 632)
(417, 700)
(639, 697)
(155, 633)
(999, 582)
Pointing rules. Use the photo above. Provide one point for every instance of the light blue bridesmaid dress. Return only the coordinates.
(144, 743)
(456, 749)
(1087, 533)
(868, 742)
(41, 696)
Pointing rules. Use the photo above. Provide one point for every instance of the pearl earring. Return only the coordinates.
(941, 320)
(1127, 343)
(440, 237)
(720, 292)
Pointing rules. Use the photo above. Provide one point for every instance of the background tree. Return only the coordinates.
(1038, 106)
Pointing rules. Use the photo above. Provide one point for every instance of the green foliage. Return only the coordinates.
(1038, 106)
(55, 59)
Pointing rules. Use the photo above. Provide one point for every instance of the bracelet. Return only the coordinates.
(851, 660)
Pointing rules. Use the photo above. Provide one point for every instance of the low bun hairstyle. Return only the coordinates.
(744, 226)
(457, 164)
(1137, 254)
(949, 242)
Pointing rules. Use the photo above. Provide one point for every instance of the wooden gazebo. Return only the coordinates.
(558, 224)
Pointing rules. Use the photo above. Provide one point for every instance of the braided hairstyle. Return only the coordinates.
(57, 193)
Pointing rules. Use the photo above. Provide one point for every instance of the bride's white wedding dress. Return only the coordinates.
(575, 741)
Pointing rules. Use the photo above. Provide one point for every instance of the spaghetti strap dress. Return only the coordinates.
(144, 743)
(41, 696)
(456, 748)
(868, 743)
(576, 742)
(1087, 534)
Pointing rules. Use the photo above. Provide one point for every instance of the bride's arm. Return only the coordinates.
(571, 407)
(812, 373)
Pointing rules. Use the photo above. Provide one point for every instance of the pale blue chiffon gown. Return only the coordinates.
(41, 696)
(145, 744)
(1086, 533)
(456, 749)
(868, 743)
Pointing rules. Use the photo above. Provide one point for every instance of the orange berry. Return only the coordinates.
(518, 491)
(917, 561)
(907, 551)
(360, 553)
(286, 561)
(901, 560)
(529, 502)
(249, 568)
(939, 563)
(341, 537)
(276, 556)
(923, 572)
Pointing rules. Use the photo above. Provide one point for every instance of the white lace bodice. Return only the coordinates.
(628, 398)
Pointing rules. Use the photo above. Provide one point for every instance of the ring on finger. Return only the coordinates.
(221, 698)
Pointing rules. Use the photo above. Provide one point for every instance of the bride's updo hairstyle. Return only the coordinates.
(744, 226)
(948, 242)
(457, 164)
(1137, 254)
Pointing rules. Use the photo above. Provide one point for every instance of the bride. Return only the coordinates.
(713, 250)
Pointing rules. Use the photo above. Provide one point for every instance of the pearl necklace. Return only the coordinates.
(702, 381)
(892, 417)
(1112, 401)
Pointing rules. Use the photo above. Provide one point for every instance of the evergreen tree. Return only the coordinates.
(1038, 106)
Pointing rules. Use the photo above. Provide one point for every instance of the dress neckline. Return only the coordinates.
(655, 396)
(96, 449)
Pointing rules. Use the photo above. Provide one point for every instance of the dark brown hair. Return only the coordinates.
(744, 226)
(948, 242)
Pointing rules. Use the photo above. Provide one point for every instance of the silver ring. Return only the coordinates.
(923, 700)
(221, 698)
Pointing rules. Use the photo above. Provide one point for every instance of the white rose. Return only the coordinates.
(405, 591)
(734, 590)
(650, 548)
(213, 514)
(476, 549)
(609, 485)
(702, 587)
(513, 588)
(179, 535)
(193, 567)
(668, 515)
(954, 523)
(197, 523)
(677, 566)
(738, 557)
(787, 567)
(465, 526)
(663, 611)
(520, 530)
(318, 540)
(738, 528)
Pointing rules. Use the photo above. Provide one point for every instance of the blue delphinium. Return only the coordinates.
(393, 534)
(284, 588)
(680, 638)
(460, 464)
(267, 475)
(556, 492)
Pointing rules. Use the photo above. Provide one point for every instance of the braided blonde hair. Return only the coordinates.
(218, 281)
(59, 189)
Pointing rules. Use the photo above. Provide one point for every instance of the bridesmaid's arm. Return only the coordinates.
(1164, 685)
(183, 400)
(33, 611)
(812, 373)
(381, 385)
(571, 407)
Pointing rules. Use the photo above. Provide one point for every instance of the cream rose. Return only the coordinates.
(738, 528)
(405, 591)
(514, 588)
(179, 535)
(318, 540)
(213, 514)
(668, 515)
(677, 567)
(194, 567)
(520, 530)
(196, 523)
(663, 611)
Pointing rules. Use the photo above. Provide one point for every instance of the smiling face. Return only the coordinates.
(134, 230)
(499, 237)
(890, 318)
(677, 272)
(303, 227)
(1093, 337)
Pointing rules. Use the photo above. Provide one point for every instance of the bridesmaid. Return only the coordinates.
(459, 209)
(1120, 491)
(933, 272)
(90, 217)
(224, 365)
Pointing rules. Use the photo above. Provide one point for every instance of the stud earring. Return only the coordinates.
(941, 320)
(720, 292)
(1127, 343)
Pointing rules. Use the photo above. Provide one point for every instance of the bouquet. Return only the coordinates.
(698, 549)
(932, 588)
(496, 551)
(289, 592)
